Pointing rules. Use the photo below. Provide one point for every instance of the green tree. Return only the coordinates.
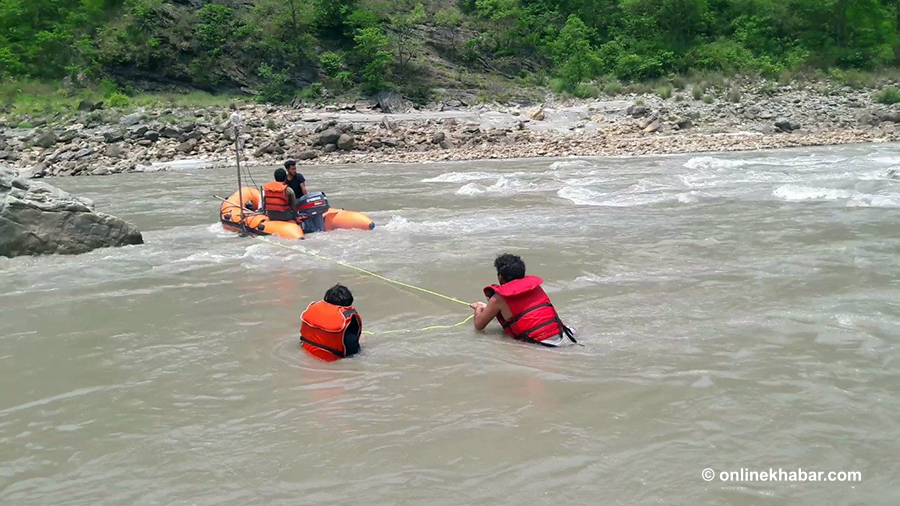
(372, 51)
(403, 24)
(576, 59)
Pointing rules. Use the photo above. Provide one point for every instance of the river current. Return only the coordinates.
(737, 311)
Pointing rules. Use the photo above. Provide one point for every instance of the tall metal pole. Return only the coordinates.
(236, 125)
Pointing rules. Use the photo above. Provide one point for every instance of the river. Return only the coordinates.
(737, 311)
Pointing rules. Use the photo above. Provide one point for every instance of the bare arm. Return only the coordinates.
(302, 189)
(292, 198)
(484, 313)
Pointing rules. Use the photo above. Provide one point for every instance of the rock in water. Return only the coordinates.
(37, 219)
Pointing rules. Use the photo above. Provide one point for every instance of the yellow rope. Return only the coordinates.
(379, 276)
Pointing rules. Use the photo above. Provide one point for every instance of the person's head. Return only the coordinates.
(509, 268)
(339, 295)
(291, 167)
(280, 175)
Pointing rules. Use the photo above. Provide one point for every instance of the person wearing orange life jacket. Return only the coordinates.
(521, 306)
(279, 200)
(330, 328)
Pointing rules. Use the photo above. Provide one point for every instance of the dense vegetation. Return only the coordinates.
(285, 47)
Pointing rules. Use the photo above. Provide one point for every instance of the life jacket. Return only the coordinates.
(330, 332)
(534, 319)
(274, 198)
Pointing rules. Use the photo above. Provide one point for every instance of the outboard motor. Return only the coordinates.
(313, 206)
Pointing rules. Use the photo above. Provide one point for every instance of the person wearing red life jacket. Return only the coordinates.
(279, 200)
(521, 306)
(330, 328)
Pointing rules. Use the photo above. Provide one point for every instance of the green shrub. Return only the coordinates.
(697, 92)
(664, 92)
(331, 62)
(275, 88)
(889, 95)
(612, 88)
(117, 100)
(585, 90)
(734, 95)
(108, 87)
(708, 99)
(557, 85)
(450, 17)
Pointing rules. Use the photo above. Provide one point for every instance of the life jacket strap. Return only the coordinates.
(513, 320)
(322, 346)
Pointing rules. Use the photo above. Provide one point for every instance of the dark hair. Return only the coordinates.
(280, 175)
(339, 295)
(509, 267)
(290, 163)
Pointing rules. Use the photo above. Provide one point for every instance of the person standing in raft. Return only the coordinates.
(521, 306)
(330, 328)
(296, 181)
(279, 200)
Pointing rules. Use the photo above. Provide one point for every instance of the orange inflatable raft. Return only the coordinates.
(256, 222)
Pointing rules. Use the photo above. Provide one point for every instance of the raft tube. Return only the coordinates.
(258, 223)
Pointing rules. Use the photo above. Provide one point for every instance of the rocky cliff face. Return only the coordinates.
(37, 219)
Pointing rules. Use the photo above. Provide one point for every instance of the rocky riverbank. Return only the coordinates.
(755, 115)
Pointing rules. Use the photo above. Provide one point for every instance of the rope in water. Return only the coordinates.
(383, 278)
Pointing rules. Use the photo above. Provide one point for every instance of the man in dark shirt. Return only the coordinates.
(295, 180)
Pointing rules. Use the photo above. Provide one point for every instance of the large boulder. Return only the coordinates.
(328, 136)
(346, 142)
(391, 102)
(37, 219)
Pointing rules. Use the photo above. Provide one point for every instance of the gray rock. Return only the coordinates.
(307, 155)
(138, 131)
(185, 147)
(438, 137)
(36, 219)
(387, 123)
(784, 125)
(636, 111)
(326, 125)
(331, 148)
(46, 140)
(684, 124)
(391, 143)
(346, 142)
(328, 136)
(151, 136)
(447, 144)
(269, 148)
(654, 126)
(648, 120)
(115, 151)
(144, 142)
(391, 102)
(85, 106)
(114, 136)
(34, 172)
(67, 136)
(170, 132)
(83, 153)
(131, 119)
